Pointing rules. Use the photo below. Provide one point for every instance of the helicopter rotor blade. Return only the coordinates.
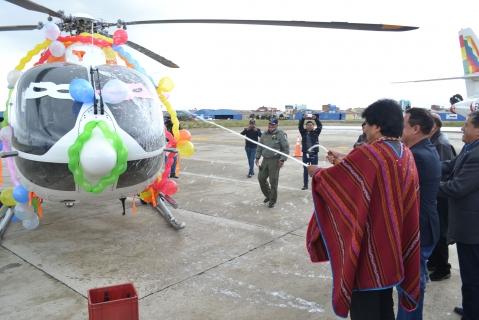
(18, 28)
(307, 24)
(30, 5)
(152, 54)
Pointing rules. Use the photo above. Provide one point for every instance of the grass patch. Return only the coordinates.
(283, 123)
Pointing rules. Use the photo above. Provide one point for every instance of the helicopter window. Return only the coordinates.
(140, 115)
(45, 111)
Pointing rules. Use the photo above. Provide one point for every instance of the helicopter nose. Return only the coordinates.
(98, 157)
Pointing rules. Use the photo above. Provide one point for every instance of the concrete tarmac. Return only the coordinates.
(236, 258)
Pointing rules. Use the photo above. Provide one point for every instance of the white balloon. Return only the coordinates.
(115, 91)
(97, 157)
(32, 223)
(57, 49)
(13, 77)
(51, 31)
(23, 212)
(6, 133)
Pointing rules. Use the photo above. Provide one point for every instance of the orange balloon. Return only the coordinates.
(185, 135)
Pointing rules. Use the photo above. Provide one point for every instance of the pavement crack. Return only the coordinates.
(48, 275)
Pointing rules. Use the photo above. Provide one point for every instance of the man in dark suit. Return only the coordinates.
(462, 190)
(418, 124)
(439, 261)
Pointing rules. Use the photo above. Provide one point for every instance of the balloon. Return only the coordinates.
(51, 31)
(30, 54)
(1, 146)
(185, 135)
(166, 84)
(20, 194)
(32, 223)
(120, 36)
(170, 187)
(23, 212)
(94, 163)
(115, 91)
(81, 90)
(57, 49)
(185, 148)
(6, 134)
(6, 197)
(12, 78)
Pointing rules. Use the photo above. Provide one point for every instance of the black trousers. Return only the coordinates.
(469, 267)
(440, 256)
(372, 305)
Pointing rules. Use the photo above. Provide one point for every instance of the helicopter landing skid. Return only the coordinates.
(6, 215)
(166, 213)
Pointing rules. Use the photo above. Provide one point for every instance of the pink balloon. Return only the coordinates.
(120, 36)
(10, 163)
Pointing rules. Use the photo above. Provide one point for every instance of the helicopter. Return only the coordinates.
(85, 122)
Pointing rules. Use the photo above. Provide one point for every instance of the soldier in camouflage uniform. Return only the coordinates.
(272, 161)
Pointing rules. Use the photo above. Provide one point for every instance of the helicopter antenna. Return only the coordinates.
(95, 110)
(102, 109)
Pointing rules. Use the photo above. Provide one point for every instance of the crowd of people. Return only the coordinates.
(385, 213)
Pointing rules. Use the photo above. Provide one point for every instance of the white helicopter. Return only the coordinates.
(83, 126)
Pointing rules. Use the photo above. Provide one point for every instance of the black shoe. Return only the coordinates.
(438, 276)
(459, 311)
(304, 188)
(265, 200)
(249, 175)
(271, 205)
(174, 177)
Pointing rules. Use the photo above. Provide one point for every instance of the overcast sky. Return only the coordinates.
(245, 67)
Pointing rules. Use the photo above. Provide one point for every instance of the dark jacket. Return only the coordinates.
(313, 135)
(445, 150)
(253, 135)
(429, 172)
(446, 153)
(462, 189)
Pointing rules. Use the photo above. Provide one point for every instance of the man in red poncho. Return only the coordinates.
(366, 219)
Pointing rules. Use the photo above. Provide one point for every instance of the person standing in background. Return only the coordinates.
(272, 161)
(439, 261)
(252, 133)
(309, 141)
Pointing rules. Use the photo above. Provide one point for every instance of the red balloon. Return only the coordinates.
(170, 187)
(120, 36)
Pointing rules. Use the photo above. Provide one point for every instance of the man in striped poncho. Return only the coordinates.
(366, 220)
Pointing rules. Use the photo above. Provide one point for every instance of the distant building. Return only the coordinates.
(448, 116)
(213, 114)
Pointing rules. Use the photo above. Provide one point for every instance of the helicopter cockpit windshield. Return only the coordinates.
(47, 112)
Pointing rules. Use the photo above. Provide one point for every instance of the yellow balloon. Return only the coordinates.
(166, 84)
(6, 197)
(186, 148)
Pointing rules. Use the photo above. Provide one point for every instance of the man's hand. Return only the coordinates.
(334, 157)
(312, 169)
(280, 163)
(257, 162)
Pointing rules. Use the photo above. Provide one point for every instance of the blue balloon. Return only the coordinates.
(81, 90)
(1, 145)
(20, 194)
